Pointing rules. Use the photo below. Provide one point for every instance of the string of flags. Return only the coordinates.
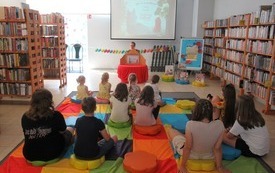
(116, 51)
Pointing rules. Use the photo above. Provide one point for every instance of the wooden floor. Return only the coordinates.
(11, 111)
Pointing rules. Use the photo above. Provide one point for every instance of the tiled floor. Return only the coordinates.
(10, 115)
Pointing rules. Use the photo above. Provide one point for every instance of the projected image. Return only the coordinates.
(143, 19)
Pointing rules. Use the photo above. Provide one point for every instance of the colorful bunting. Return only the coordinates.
(162, 49)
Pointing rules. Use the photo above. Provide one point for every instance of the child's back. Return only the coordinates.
(134, 89)
(104, 87)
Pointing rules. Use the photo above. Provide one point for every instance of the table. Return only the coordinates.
(140, 70)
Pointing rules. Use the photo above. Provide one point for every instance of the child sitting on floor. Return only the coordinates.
(157, 94)
(144, 107)
(46, 135)
(250, 126)
(88, 130)
(199, 143)
(119, 103)
(104, 88)
(134, 89)
(82, 89)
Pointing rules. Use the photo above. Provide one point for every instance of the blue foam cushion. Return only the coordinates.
(169, 101)
(182, 82)
(75, 100)
(177, 121)
(230, 153)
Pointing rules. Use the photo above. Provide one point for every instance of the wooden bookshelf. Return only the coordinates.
(53, 47)
(20, 52)
(243, 53)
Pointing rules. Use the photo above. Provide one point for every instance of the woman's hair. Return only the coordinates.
(80, 79)
(132, 78)
(246, 114)
(88, 105)
(155, 79)
(146, 96)
(105, 77)
(229, 94)
(203, 109)
(41, 105)
(121, 92)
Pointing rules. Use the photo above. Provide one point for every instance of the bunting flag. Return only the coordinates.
(116, 51)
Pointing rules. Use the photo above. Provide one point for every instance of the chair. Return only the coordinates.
(77, 57)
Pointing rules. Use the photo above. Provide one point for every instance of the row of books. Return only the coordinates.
(13, 44)
(217, 71)
(207, 58)
(22, 89)
(210, 24)
(220, 32)
(272, 97)
(51, 74)
(218, 61)
(208, 41)
(265, 14)
(239, 32)
(11, 13)
(53, 53)
(14, 60)
(219, 42)
(235, 44)
(235, 56)
(258, 61)
(262, 32)
(234, 67)
(50, 63)
(255, 89)
(13, 29)
(15, 74)
(256, 75)
(221, 22)
(220, 52)
(48, 30)
(208, 50)
(208, 33)
(232, 78)
(51, 18)
(49, 41)
(261, 47)
(239, 20)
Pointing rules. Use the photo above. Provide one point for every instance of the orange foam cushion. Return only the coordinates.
(148, 130)
(160, 135)
(140, 162)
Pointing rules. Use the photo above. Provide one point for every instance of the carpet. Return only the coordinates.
(159, 145)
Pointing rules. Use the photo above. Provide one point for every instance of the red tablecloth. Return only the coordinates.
(140, 70)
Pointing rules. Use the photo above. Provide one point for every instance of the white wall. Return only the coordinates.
(99, 37)
(16, 3)
(226, 8)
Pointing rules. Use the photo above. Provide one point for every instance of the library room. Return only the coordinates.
(209, 64)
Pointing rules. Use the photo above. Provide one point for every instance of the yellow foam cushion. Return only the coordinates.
(201, 165)
(185, 104)
(42, 163)
(167, 78)
(86, 164)
(198, 84)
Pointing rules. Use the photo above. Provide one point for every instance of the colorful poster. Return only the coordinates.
(191, 54)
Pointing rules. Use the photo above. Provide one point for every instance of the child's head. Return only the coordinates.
(41, 104)
(105, 77)
(121, 92)
(203, 109)
(246, 113)
(146, 96)
(155, 79)
(81, 79)
(132, 78)
(89, 105)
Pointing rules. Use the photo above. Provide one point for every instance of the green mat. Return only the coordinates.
(121, 133)
(110, 167)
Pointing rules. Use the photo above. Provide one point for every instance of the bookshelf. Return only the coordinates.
(20, 52)
(242, 52)
(53, 47)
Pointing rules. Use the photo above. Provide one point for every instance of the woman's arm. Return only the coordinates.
(105, 135)
(186, 151)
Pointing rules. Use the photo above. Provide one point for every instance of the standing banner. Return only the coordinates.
(191, 54)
